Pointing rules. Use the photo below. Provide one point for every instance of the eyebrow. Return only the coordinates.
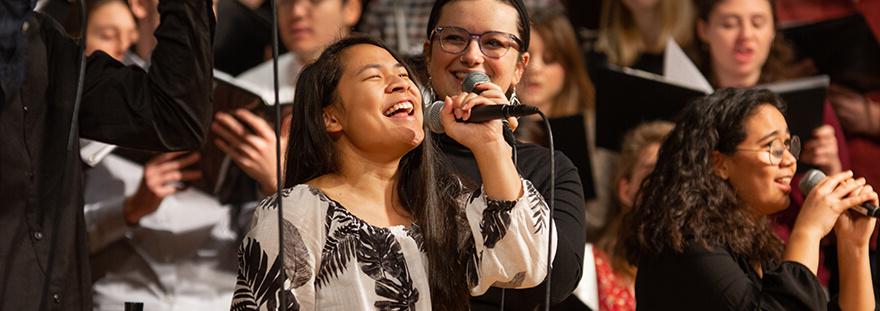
(771, 134)
(377, 66)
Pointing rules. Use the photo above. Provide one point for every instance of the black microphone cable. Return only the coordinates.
(279, 184)
(550, 223)
(552, 206)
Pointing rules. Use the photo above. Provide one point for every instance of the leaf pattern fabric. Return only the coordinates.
(333, 260)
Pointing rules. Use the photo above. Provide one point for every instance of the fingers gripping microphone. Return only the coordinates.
(480, 113)
(812, 177)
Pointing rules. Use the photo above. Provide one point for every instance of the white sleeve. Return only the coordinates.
(511, 241)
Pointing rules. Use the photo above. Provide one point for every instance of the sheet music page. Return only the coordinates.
(678, 68)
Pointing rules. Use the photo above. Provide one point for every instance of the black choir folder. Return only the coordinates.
(221, 178)
(627, 97)
(845, 49)
(570, 138)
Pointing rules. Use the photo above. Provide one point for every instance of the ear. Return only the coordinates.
(701, 30)
(138, 8)
(331, 120)
(426, 51)
(351, 12)
(520, 67)
(622, 193)
(720, 165)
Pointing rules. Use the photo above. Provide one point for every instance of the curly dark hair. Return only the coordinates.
(683, 201)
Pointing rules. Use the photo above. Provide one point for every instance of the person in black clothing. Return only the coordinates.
(41, 178)
(501, 52)
(699, 231)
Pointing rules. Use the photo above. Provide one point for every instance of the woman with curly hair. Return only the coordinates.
(699, 231)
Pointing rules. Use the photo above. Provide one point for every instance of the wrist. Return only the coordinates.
(134, 208)
(805, 234)
(854, 246)
(493, 150)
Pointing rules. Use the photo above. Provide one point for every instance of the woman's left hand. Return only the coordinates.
(853, 228)
(821, 151)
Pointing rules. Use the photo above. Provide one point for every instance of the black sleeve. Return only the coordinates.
(242, 36)
(568, 215)
(703, 279)
(168, 108)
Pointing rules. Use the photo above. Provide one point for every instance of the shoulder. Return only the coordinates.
(296, 202)
(534, 161)
(54, 35)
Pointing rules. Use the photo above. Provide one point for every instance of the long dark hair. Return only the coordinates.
(779, 60)
(425, 190)
(683, 201)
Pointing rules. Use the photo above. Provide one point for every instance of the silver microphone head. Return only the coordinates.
(472, 79)
(432, 116)
(810, 179)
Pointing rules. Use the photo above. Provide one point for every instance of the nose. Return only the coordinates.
(788, 158)
(746, 31)
(398, 84)
(472, 56)
(298, 8)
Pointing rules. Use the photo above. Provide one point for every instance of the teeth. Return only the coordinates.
(460, 75)
(399, 106)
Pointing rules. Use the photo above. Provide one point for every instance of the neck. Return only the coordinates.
(648, 23)
(737, 80)
(371, 176)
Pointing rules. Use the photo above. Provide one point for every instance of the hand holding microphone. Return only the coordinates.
(828, 198)
(473, 108)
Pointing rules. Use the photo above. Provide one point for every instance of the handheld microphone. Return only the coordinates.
(480, 113)
(813, 177)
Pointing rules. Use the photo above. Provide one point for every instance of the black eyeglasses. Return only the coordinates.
(776, 149)
(494, 44)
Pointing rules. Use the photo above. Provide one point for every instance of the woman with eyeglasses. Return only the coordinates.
(699, 231)
(492, 36)
(740, 47)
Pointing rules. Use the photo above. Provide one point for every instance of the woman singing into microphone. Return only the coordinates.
(699, 231)
(492, 37)
(371, 219)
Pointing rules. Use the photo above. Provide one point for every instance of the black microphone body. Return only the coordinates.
(813, 176)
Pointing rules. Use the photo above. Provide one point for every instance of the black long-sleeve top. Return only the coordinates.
(41, 180)
(703, 278)
(533, 163)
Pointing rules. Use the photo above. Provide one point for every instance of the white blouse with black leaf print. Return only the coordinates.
(336, 261)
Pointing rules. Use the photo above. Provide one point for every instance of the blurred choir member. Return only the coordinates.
(608, 282)
(700, 231)
(45, 262)
(151, 240)
(307, 27)
(633, 33)
(493, 37)
(859, 112)
(372, 220)
(556, 81)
